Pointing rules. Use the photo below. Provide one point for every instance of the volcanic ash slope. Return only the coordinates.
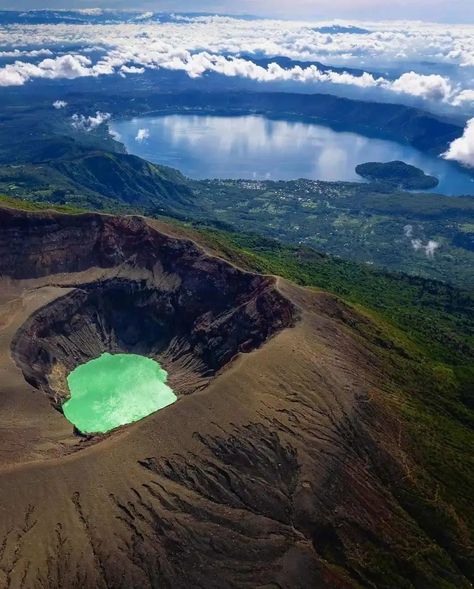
(265, 473)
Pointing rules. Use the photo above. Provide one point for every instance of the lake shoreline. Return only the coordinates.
(174, 133)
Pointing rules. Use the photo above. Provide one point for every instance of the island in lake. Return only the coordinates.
(397, 173)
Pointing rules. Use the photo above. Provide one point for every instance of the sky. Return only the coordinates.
(460, 11)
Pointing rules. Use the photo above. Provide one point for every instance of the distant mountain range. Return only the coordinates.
(346, 29)
(100, 16)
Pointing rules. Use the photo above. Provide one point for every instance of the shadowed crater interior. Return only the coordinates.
(133, 290)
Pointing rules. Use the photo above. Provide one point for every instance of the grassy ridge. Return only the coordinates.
(28, 205)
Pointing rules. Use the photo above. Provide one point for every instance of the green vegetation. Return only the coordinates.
(99, 180)
(381, 226)
(28, 205)
(437, 318)
(384, 228)
(398, 174)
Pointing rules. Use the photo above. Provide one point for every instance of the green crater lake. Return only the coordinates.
(114, 390)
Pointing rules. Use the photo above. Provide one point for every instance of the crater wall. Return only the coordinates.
(156, 295)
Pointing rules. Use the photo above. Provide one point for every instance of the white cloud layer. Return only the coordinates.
(464, 97)
(228, 46)
(65, 67)
(462, 150)
(430, 87)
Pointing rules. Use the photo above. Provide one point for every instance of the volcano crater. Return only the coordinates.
(167, 300)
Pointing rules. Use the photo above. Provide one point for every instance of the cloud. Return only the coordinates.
(58, 104)
(65, 66)
(229, 46)
(115, 135)
(10, 76)
(18, 53)
(462, 149)
(142, 135)
(90, 11)
(464, 97)
(383, 42)
(131, 69)
(429, 248)
(431, 87)
(144, 16)
(62, 67)
(408, 230)
(88, 123)
(453, 11)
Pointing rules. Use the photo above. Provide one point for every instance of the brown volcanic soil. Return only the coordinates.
(265, 473)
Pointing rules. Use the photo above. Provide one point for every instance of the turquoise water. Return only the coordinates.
(253, 147)
(114, 390)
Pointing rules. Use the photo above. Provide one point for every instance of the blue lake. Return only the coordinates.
(254, 147)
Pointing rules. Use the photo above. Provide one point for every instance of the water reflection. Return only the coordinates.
(256, 147)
